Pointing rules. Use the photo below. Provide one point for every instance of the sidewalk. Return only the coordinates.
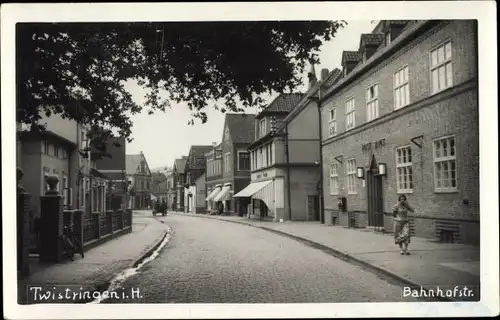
(102, 263)
(431, 263)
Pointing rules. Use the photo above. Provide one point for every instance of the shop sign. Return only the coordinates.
(369, 146)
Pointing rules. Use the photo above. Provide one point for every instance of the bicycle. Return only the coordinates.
(70, 243)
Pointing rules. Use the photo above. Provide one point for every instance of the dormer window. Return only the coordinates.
(364, 57)
(262, 127)
(143, 167)
(387, 38)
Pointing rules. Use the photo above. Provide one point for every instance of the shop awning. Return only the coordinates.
(214, 192)
(266, 194)
(225, 194)
(252, 189)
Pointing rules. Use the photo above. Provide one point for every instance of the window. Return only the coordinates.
(387, 38)
(271, 160)
(350, 114)
(372, 111)
(45, 147)
(404, 171)
(351, 176)
(64, 183)
(143, 167)
(334, 179)
(243, 161)
(262, 128)
(441, 68)
(227, 162)
(267, 154)
(84, 140)
(445, 177)
(56, 152)
(401, 88)
(261, 157)
(64, 153)
(332, 122)
(51, 150)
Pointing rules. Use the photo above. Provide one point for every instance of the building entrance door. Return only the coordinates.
(313, 208)
(374, 196)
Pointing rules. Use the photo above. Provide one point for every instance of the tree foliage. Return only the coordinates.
(79, 70)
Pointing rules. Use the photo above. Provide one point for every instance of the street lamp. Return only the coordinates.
(360, 172)
(382, 169)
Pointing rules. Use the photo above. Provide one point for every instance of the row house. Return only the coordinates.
(228, 166)
(114, 168)
(159, 186)
(404, 120)
(139, 180)
(57, 151)
(194, 171)
(171, 190)
(267, 188)
(179, 182)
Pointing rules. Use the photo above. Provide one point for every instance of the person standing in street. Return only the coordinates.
(401, 224)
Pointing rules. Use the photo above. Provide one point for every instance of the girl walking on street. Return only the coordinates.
(401, 224)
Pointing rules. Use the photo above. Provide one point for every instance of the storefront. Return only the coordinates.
(212, 193)
(265, 198)
(224, 197)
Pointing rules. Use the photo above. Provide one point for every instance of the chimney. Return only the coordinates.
(141, 152)
(214, 144)
(324, 74)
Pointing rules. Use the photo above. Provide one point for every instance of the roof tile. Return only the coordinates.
(285, 102)
(241, 127)
(351, 56)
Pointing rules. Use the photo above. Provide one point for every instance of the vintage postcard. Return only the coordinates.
(248, 160)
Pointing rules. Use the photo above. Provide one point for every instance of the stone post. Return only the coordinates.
(23, 234)
(51, 222)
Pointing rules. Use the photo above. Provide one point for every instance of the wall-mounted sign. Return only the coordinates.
(365, 147)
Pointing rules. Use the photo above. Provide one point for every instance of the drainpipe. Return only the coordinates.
(287, 158)
(321, 179)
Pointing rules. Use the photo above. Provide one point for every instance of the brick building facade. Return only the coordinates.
(139, 180)
(407, 104)
(228, 165)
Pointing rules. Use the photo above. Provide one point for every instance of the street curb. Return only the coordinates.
(103, 286)
(150, 251)
(331, 251)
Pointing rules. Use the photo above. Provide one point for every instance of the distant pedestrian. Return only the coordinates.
(401, 224)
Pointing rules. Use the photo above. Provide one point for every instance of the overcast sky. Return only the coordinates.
(164, 137)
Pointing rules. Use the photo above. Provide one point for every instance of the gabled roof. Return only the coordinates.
(133, 163)
(350, 56)
(241, 127)
(283, 103)
(197, 153)
(180, 164)
(371, 39)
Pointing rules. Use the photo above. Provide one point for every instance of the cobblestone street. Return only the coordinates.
(209, 261)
